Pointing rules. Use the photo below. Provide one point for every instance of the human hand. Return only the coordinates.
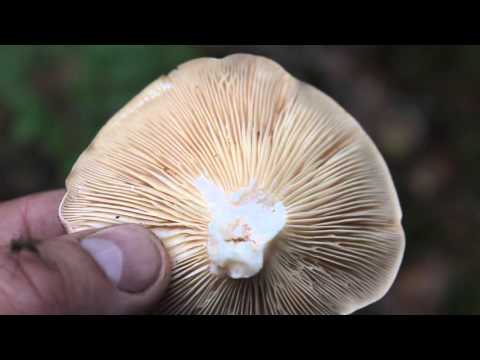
(116, 270)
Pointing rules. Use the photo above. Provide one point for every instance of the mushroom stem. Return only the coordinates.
(243, 225)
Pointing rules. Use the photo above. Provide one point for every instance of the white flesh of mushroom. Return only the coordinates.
(242, 227)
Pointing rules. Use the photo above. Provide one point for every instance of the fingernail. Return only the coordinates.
(127, 255)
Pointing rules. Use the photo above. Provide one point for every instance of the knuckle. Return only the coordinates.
(28, 286)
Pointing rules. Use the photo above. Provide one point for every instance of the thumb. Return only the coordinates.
(118, 270)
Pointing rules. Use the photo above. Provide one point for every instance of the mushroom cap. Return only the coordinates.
(235, 121)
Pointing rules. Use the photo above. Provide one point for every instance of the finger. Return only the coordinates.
(119, 270)
(31, 217)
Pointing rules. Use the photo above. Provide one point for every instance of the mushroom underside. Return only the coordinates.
(268, 196)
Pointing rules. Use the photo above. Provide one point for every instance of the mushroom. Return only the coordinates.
(269, 197)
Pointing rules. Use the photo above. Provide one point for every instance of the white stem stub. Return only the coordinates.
(242, 226)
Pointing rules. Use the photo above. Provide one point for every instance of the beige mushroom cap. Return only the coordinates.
(297, 213)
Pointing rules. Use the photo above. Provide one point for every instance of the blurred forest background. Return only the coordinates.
(420, 104)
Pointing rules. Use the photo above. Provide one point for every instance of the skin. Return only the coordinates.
(54, 274)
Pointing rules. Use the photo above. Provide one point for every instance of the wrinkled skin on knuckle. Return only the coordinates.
(28, 285)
